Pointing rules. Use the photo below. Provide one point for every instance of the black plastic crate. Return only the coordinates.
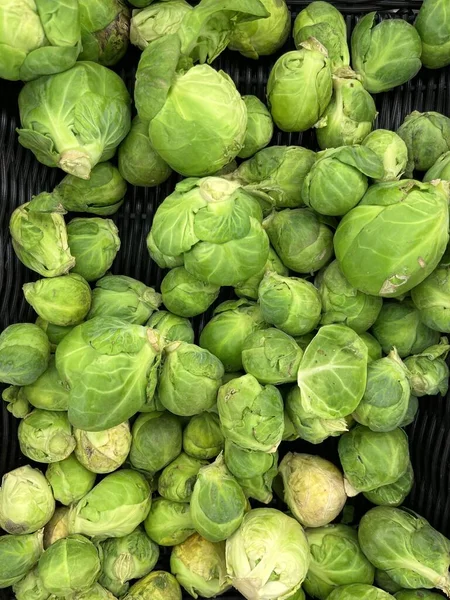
(22, 176)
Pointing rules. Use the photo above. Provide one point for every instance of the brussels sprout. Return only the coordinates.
(413, 407)
(102, 395)
(172, 327)
(417, 595)
(251, 415)
(224, 335)
(104, 30)
(63, 300)
(26, 501)
(189, 380)
(177, 480)
(96, 592)
(342, 303)
(69, 565)
(202, 436)
(333, 372)
(30, 587)
(157, 440)
(431, 299)
(161, 18)
(428, 371)
(16, 401)
(39, 236)
(399, 325)
(58, 526)
(199, 566)
(433, 25)
(186, 295)
(313, 488)
(75, 132)
(217, 520)
(100, 195)
(157, 585)
(70, 480)
(272, 543)
(271, 356)
(386, 398)
(249, 288)
(349, 117)
(48, 391)
(103, 451)
(169, 523)
(395, 493)
(24, 354)
(338, 179)
(260, 486)
(55, 333)
(385, 55)
(372, 459)
(18, 555)
(114, 507)
(385, 582)
(440, 169)
(427, 137)
(38, 39)
(259, 122)
(391, 150)
(325, 23)
(46, 436)
(336, 559)
(404, 544)
(359, 591)
(378, 233)
(373, 346)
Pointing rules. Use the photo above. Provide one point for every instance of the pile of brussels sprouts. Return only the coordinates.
(338, 285)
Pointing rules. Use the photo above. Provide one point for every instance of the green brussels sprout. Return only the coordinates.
(151, 23)
(259, 122)
(114, 507)
(48, 391)
(125, 298)
(75, 132)
(202, 436)
(391, 150)
(189, 379)
(102, 395)
(172, 327)
(55, 333)
(333, 372)
(18, 555)
(46, 436)
(404, 544)
(349, 117)
(26, 501)
(385, 55)
(386, 398)
(371, 459)
(249, 288)
(103, 451)
(378, 233)
(338, 179)
(94, 243)
(431, 299)
(373, 346)
(276, 174)
(413, 407)
(69, 565)
(139, 164)
(342, 303)
(217, 520)
(417, 595)
(393, 494)
(325, 23)
(30, 587)
(224, 335)
(169, 523)
(58, 526)
(359, 591)
(96, 592)
(63, 300)
(186, 295)
(433, 25)
(399, 325)
(313, 488)
(100, 195)
(16, 401)
(24, 354)
(251, 415)
(385, 582)
(104, 30)
(177, 480)
(336, 559)
(162, 260)
(271, 356)
(39, 236)
(269, 542)
(428, 371)
(157, 585)
(307, 425)
(200, 568)
(70, 480)
(157, 440)
(260, 486)
(427, 137)
(38, 39)
(300, 87)
(440, 169)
